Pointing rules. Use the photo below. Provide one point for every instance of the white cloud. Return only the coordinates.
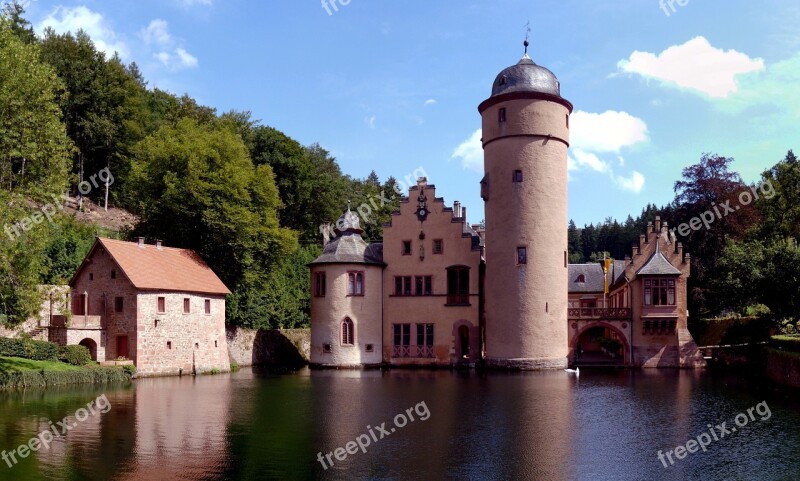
(371, 121)
(177, 60)
(606, 132)
(187, 60)
(695, 65)
(66, 19)
(157, 32)
(634, 183)
(430, 102)
(470, 152)
(581, 159)
(170, 55)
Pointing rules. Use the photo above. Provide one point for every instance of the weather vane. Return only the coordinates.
(527, 36)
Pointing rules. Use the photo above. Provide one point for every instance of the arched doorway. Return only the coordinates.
(600, 344)
(91, 346)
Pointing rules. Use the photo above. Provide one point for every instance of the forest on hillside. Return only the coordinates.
(249, 199)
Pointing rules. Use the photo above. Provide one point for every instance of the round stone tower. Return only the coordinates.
(525, 142)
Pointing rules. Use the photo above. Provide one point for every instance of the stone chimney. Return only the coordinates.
(140, 241)
(456, 209)
(658, 223)
(158, 244)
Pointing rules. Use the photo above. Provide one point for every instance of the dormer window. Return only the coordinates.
(503, 80)
(581, 279)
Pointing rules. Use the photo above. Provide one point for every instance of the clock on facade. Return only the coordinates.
(422, 206)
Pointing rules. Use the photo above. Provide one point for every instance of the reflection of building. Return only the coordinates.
(422, 297)
(161, 307)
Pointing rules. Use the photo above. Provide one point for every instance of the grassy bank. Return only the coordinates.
(19, 373)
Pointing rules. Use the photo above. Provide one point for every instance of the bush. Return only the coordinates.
(27, 348)
(786, 343)
(75, 355)
(45, 378)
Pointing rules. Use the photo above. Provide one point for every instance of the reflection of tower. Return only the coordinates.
(525, 141)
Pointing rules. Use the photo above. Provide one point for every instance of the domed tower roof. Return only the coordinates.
(349, 247)
(526, 76)
(526, 79)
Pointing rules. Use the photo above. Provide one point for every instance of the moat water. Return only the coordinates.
(254, 425)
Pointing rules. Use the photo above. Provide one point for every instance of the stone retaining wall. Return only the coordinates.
(783, 368)
(284, 347)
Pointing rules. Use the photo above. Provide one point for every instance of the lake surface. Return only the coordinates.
(254, 425)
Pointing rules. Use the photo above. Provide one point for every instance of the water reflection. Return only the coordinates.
(255, 425)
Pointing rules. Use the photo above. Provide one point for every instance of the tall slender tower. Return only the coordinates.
(525, 142)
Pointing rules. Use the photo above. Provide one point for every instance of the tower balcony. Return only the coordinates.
(618, 313)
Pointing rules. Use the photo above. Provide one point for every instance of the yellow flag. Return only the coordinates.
(606, 269)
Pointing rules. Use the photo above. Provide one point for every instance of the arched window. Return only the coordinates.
(581, 279)
(348, 332)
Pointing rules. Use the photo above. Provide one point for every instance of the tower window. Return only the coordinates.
(355, 283)
(438, 245)
(319, 284)
(517, 176)
(327, 348)
(522, 255)
(407, 248)
(502, 115)
(113, 274)
(347, 332)
(567, 120)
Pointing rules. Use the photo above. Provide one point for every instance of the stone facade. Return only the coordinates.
(163, 331)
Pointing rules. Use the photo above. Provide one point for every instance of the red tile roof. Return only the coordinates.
(167, 268)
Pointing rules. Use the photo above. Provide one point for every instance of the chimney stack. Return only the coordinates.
(456, 209)
(158, 244)
(141, 242)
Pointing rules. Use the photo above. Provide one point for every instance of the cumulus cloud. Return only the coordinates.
(606, 132)
(71, 19)
(177, 59)
(157, 33)
(634, 183)
(594, 134)
(470, 152)
(695, 65)
(169, 53)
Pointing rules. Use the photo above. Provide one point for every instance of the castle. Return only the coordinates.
(440, 292)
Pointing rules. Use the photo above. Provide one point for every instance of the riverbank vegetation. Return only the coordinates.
(250, 199)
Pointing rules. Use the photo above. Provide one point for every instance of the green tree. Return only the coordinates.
(198, 189)
(34, 162)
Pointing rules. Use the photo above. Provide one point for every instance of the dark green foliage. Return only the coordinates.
(75, 355)
(29, 349)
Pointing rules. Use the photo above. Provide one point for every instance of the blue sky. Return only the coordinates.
(394, 85)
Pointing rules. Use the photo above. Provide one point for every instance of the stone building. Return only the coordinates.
(163, 308)
(439, 292)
